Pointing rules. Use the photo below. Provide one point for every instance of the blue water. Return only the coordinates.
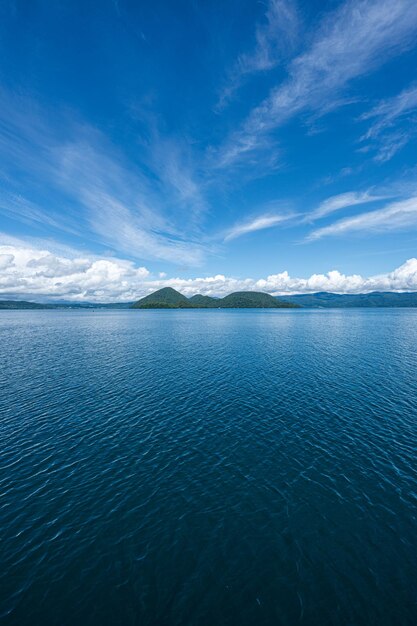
(208, 467)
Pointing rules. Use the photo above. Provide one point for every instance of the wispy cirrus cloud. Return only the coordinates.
(174, 162)
(393, 123)
(15, 205)
(118, 204)
(275, 37)
(342, 201)
(123, 211)
(258, 223)
(325, 208)
(351, 42)
(394, 216)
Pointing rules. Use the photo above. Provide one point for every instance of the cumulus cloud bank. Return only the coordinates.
(38, 274)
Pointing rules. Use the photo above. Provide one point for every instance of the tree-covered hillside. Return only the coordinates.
(252, 300)
(169, 298)
(166, 298)
(204, 302)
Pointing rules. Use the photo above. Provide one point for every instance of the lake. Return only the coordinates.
(208, 467)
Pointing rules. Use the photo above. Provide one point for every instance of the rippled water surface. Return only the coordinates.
(208, 467)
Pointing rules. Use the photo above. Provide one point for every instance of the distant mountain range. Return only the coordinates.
(326, 300)
(168, 298)
(24, 304)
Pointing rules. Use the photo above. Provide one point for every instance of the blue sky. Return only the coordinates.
(210, 146)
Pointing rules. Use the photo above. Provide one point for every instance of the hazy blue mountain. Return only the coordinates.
(22, 304)
(374, 299)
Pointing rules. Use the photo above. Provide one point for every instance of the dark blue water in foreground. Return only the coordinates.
(208, 467)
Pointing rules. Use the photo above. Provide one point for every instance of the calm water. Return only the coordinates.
(208, 468)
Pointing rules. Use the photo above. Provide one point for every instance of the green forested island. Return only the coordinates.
(168, 298)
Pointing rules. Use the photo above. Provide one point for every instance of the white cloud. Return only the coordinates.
(172, 159)
(394, 216)
(259, 223)
(275, 37)
(388, 111)
(14, 206)
(387, 132)
(6, 260)
(391, 144)
(123, 211)
(403, 278)
(37, 274)
(342, 201)
(351, 42)
(102, 196)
